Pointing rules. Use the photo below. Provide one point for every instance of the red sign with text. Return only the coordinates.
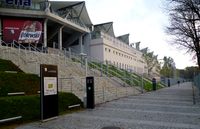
(22, 31)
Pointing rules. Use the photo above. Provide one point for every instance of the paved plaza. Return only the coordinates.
(168, 108)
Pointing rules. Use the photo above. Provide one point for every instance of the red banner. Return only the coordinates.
(22, 31)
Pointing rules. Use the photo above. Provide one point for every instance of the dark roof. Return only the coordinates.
(124, 38)
(77, 9)
(106, 28)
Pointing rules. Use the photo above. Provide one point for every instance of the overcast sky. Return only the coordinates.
(144, 20)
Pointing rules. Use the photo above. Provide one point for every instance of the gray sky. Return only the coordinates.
(144, 20)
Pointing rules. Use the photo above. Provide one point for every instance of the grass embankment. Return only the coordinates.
(6, 65)
(27, 105)
(19, 82)
(127, 77)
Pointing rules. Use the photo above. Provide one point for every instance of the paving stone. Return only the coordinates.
(168, 108)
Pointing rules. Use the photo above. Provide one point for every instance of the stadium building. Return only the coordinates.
(44, 23)
(116, 50)
(58, 25)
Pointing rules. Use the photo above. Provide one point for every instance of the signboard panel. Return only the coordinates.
(22, 31)
(26, 3)
(49, 91)
(50, 86)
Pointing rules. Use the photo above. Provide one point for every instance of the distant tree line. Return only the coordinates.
(169, 70)
(188, 72)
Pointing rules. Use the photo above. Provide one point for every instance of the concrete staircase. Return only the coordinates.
(71, 74)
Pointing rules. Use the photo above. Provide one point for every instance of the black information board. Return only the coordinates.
(49, 91)
(90, 92)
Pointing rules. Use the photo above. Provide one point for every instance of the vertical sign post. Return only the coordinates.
(90, 92)
(49, 91)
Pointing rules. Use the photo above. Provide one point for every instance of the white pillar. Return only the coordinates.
(60, 38)
(86, 66)
(45, 32)
(81, 44)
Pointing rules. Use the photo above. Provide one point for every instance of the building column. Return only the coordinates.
(45, 32)
(1, 32)
(81, 43)
(60, 37)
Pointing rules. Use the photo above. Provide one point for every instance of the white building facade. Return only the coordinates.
(110, 49)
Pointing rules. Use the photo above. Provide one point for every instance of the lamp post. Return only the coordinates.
(84, 56)
(174, 70)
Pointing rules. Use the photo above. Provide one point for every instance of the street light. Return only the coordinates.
(84, 56)
(174, 69)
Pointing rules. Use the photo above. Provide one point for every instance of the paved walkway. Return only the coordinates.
(168, 108)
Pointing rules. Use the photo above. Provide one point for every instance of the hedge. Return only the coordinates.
(19, 82)
(29, 106)
(148, 86)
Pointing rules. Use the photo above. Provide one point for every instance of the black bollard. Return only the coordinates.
(168, 82)
(154, 84)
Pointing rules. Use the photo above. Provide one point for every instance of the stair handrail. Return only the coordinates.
(3, 42)
(18, 45)
(77, 56)
(109, 71)
(108, 75)
(34, 48)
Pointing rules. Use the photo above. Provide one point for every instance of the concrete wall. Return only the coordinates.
(96, 49)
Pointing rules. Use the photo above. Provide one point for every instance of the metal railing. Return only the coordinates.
(94, 65)
(196, 82)
(196, 89)
(99, 68)
(103, 90)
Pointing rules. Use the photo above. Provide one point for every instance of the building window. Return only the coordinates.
(105, 49)
(108, 50)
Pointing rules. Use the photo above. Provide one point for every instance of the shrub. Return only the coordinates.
(147, 86)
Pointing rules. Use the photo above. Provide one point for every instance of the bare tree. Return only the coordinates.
(185, 25)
